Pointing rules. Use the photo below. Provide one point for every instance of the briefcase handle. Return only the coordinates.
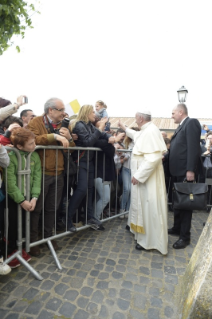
(185, 181)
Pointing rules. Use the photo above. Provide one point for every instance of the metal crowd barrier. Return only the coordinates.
(55, 234)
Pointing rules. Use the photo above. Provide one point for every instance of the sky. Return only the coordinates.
(132, 54)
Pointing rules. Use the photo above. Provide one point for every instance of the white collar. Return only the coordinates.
(50, 120)
(183, 120)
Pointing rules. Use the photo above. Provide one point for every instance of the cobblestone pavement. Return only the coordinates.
(103, 276)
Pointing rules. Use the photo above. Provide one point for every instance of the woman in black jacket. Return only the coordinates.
(88, 135)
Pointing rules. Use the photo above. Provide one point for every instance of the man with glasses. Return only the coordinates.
(48, 131)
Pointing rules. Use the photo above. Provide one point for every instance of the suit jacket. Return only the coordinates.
(184, 153)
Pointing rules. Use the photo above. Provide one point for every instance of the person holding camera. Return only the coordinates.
(88, 135)
(7, 108)
(50, 129)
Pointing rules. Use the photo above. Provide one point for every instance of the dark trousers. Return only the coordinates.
(182, 218)
(85, 183)
(13, 225)
(52, 194)
(116, 190)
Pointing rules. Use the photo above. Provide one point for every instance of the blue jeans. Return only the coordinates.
(102, 195)
(125, 199)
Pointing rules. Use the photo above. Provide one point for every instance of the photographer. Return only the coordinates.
(49, 131)
(7, 108)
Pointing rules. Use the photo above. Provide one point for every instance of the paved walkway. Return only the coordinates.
(103, 277)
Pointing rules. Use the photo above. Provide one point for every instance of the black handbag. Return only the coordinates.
(190, 196)
(72, 169)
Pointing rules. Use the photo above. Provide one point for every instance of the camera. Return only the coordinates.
(65, 123)
(25, 99)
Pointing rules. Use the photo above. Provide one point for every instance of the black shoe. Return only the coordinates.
(127, 227)
(139, 247)
(173, 232)
(180, 244)
(203, 224)
(101, 227)
(94, 222)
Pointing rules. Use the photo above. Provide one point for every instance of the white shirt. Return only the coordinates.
(183, 120)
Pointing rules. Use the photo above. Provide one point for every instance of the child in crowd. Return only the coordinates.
(101, 112)
(24, 141)
(4, 162)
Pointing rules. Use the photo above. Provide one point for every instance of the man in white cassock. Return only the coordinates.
(148, 209)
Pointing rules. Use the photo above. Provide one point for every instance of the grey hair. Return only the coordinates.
(50, 103)
(183, 107)
(146, 117)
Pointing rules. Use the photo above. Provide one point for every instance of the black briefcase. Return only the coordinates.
(190, 196)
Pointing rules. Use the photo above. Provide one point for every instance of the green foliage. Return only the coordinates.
(15, 18)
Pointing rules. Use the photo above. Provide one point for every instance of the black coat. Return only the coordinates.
(88, 135)
(184, 153)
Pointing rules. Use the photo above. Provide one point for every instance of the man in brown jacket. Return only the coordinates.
(48, 131)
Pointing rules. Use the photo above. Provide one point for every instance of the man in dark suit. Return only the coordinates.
(184, 157)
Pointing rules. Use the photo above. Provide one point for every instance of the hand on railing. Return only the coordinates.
(62, 140)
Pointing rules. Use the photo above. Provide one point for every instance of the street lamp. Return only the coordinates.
(182, 92)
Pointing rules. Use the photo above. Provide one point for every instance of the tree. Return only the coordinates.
(15, 18)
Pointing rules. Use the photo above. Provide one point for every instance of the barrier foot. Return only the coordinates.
(25, 264)
(54, 254)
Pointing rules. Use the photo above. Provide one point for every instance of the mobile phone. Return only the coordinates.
(25, 99)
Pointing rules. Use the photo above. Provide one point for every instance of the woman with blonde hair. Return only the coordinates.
(88, 135)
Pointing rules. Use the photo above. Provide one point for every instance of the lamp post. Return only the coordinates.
(182, 92)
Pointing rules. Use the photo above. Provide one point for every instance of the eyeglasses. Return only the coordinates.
(59, 110)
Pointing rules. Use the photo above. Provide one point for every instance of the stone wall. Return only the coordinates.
(195, 290)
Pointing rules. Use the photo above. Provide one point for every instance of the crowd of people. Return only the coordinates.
(134, 182)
